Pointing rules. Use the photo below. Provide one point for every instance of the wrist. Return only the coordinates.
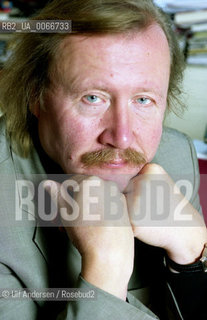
(188, 250)
(106, 276)
(200, 265)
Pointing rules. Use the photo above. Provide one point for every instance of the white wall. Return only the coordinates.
(194, 120)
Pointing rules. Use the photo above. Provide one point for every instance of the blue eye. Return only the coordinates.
(92, 98)
(144, 101)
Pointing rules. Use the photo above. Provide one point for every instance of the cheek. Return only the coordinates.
(77, 134)
(46, 131)
(155, 136)
(152, 139)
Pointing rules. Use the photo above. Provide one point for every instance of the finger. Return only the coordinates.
(53, 189)
(152, 168)
(144, 175)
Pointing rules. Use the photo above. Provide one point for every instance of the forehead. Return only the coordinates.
(81, 56)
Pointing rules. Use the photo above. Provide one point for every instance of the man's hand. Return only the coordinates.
(107, 251)
(183, 244)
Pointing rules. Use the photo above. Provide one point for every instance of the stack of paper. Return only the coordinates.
(181, 5)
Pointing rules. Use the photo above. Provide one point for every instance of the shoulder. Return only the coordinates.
(176, 153)
(174, 140)
(11, 161)
(174, 136)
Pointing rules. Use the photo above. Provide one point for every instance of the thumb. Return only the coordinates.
(152, 168)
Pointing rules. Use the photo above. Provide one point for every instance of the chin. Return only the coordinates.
(121, 179)
(121, 176)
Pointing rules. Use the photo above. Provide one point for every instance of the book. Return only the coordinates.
(173, 6)
(188, 18)
(199, 27)
(186, 4)
(198, 59)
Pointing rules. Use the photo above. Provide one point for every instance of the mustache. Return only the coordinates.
(94, 158)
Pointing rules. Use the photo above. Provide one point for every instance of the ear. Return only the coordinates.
(35, 109)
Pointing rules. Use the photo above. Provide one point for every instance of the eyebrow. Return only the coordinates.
(76, 86)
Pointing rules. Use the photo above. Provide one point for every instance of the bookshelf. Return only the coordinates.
(190, 20)
(15, 11)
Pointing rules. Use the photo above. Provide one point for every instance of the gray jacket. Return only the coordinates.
(34, 257)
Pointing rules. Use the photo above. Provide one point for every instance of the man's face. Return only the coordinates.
(109, 95)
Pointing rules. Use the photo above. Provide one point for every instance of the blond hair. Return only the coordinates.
(28, 71)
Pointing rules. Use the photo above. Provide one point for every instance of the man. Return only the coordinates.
(91, 104)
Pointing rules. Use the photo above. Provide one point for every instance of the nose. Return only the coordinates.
(118, 130)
